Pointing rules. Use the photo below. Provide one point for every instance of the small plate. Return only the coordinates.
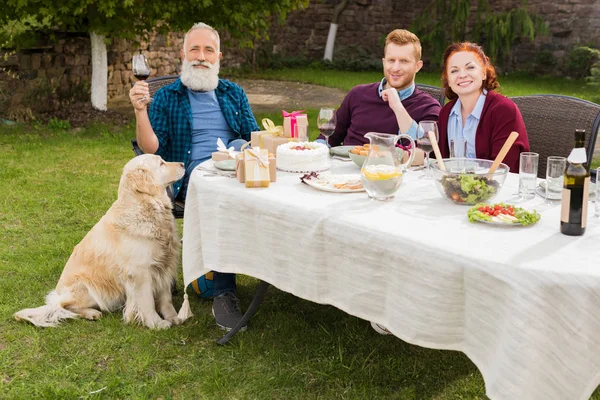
(498, 223)
(225, 165)
(340, 151)
(541, 190)
(332, 183)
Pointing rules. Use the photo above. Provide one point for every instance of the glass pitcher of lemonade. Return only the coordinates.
(383, 169)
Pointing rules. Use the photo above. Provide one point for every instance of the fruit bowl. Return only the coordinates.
(360, 160)
(466, 180)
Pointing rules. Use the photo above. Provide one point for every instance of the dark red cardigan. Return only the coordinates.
(499, 117)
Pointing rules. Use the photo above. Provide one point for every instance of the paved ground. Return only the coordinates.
(268, 96)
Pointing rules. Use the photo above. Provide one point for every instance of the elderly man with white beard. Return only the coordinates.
(183, 124)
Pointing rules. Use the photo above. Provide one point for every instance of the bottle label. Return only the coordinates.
(584, 206)
(565, 205)
(577, 156)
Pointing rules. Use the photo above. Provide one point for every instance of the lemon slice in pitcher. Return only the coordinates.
(381, 172)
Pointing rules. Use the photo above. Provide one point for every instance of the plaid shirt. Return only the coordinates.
(171, 118)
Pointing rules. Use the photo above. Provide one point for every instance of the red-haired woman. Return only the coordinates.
(476, 113)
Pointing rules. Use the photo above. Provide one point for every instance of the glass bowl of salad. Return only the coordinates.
(466, 180)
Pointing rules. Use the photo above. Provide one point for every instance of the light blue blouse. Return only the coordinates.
(456, 130)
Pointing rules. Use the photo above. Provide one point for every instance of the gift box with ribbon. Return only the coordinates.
(270, 138)
(253, 166)
(241, 173)
(223, 153)
(290, 119)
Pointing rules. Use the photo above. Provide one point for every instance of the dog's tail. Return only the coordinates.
(50, 314)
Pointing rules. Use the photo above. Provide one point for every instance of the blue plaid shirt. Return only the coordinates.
(171, 118)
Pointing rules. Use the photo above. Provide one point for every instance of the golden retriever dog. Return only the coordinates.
(129, 258)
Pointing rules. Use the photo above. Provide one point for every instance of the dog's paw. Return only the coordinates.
(174, 320)
(160, 325)
(91, 314)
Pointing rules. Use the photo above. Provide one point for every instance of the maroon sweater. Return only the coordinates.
(363, 111)
(499, 117)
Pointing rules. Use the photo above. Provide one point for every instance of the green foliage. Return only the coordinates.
(349, 58)
(594, 78)
(580, 61)
(445, 21)
(544, 62)
(246, 21)
(59, 124)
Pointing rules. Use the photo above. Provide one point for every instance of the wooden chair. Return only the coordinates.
(434, 91)
(153, 85)
(551, 121)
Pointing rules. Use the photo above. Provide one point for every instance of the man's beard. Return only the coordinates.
(200, 79)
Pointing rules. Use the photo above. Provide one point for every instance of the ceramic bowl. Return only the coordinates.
(360, 160)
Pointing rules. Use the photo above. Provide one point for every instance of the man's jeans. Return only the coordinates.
(223, 283)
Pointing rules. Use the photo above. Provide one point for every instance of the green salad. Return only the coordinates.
(502, 213)
(469, 188)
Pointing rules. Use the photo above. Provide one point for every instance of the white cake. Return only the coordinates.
(302, 157)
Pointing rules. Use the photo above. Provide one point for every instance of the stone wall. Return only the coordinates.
(366, 22)
(58, 70)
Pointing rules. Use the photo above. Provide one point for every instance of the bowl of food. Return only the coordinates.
(359, 154)
(467, 181)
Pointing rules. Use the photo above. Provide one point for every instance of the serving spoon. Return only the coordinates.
(503, 151)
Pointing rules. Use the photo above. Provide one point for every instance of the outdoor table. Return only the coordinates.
(522, 303)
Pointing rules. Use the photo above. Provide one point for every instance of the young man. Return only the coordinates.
(393, 105)
(183, 124)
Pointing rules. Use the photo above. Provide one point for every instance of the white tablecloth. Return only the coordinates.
(522, 303)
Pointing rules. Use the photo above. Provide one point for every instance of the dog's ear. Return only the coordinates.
(140, 180)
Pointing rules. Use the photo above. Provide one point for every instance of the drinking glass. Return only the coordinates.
(528, 169)
(141, 70)
(458, 148)
(555, 175)
(424, 143)
(326, 122)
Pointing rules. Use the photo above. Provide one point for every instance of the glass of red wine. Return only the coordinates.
(326, 122)
(424, 142)
(141, 69)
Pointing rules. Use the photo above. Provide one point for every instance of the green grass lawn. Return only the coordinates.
(511, 85)
(56, 185)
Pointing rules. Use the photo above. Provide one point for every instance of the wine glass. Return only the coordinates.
(141, 69)
(424, 143)
(326, 122)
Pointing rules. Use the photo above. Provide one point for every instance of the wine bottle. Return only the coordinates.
(573, 216)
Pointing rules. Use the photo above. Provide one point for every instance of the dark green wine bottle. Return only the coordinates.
(576, 189)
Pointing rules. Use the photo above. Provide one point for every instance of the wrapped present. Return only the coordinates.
(241, 173)
(223, 153)
(290, 120)
(270, 138)
(256, 167)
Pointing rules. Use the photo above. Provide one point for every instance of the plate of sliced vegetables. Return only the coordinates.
(502, 214)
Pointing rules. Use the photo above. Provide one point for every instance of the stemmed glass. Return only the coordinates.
(424, 143)
(140, 69)
(326, 123)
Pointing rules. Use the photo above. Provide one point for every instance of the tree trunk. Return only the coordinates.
(333, 29)
(99, 72)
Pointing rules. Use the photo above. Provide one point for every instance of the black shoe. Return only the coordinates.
(227, 312)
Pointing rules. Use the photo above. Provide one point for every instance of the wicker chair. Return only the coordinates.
(551, 121)
(153, 85)
(434, 91)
